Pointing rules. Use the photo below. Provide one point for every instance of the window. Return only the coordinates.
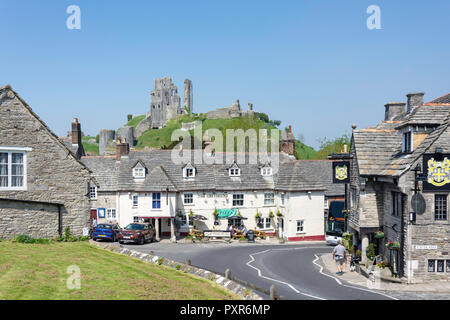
(325, 202)
(354, 197)
(235, 172)
(269, 199)
(283, 198)
(431, 265)
(300, 226)
(407, 142)
(264, 223)
(238, 200)
(135, 201)
(156, 200)
(266, 172)
(189, 173)
(93, 193)
(440, 207)
(12, 170)
(188, 198)
(136, 219)
(447, 266)
(139, 173)
(111, 213)
(396, 204)
(440, 265)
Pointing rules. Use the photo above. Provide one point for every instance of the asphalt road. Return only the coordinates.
(290, 268)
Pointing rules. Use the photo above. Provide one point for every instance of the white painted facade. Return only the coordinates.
(302, 212)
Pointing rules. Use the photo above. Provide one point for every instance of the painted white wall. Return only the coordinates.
(297, 206)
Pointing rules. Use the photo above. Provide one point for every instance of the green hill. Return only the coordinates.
(161, 138)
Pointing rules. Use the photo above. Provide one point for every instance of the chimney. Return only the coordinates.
(393, 109)
(290, 128)
(122, 148)
(250, 106)
(414, 99)
(76, 132)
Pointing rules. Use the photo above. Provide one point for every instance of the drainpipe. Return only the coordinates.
(59, 220)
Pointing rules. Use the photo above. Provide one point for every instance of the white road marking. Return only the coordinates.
(348, 286)
(279, 281)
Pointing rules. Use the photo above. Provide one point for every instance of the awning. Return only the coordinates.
(226, 213)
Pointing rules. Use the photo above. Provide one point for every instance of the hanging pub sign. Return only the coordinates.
(436, 168)
(341, 172)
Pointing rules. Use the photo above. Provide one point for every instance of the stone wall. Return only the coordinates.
(53, 173)
(35, 220)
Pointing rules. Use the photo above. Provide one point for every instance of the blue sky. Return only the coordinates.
(312, 64)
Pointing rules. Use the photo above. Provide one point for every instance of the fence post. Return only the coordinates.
(228, 274)
(273, 293)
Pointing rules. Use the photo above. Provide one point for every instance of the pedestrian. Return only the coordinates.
(339, 255)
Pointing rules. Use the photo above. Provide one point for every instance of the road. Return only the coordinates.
(293, 269)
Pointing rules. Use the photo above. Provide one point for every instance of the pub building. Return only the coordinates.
(399, 189)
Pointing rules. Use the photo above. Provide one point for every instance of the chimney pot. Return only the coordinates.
(122, 148)
(76, 132)
(290, 128)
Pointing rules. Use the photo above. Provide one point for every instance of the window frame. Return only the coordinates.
(10, 151)
(302, 226)
(283, 199)
(266, 172)
(156, 199)
(189, 200)
(440, 216)
(234, 172)
(109, 213)
(237, 200)
(135, 201)
(269, 201)
(93, 190)
(407, 141)
(139, 176)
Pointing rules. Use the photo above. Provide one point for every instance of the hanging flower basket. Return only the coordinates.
(379, 235)
(279, 214)
(393, 245)
(258, 215)
(271, 215)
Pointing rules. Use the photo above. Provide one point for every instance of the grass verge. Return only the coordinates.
(39, 271)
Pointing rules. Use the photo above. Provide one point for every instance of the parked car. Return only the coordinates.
(137, 233)
(106, 231)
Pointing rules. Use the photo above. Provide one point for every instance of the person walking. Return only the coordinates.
(340, 256)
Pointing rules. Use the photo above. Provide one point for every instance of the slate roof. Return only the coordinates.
(378, 150)
(164, 173)
(441, 100)
(322, 171)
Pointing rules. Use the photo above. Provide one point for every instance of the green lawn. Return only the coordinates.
(33, 271)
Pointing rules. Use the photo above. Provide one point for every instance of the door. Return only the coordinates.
(93, 216)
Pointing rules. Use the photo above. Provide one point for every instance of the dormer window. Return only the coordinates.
(407, 142)
(234, 170)
(139, 170)
(138, 173)
(266, 171)
(189, 171)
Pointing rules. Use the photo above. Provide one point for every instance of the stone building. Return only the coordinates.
(383, 182)
(165, 102)
(43, 186)
(150, 186)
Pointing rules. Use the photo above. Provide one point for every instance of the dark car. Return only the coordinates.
(137, 233)
(106, 231)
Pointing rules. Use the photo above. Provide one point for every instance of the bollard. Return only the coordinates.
(273, 293)
(188, 262)
(228, 274)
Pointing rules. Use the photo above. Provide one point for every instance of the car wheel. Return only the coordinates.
(120, 242)
(141, 241)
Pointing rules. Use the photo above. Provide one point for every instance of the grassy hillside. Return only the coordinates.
(90, 148)
(161, 138)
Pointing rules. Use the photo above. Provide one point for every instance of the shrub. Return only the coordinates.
(242, 238)
(28, 239)
(371, 249)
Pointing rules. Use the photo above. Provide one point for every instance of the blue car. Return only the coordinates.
(106, 231)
